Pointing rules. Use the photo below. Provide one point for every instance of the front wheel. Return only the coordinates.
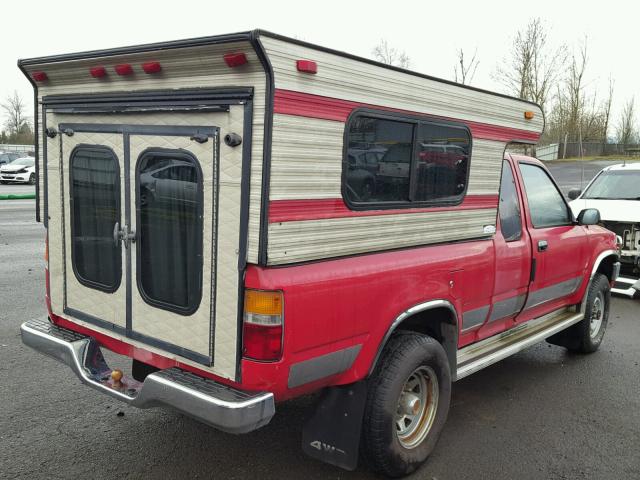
(32, 179)
(588, 333)
(407, 404)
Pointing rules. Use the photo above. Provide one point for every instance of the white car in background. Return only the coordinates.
(20, 170)
(615, 192)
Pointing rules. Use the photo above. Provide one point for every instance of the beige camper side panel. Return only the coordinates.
(307, 155)
(350, 79)
(306, 163)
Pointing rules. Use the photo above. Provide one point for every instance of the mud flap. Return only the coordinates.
(332, 435)
(568, 338)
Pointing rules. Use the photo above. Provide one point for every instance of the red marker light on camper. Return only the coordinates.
(307, 66)
(123, 69)
(98, 72)
(39, 76)
(151, 67)
(235, 59)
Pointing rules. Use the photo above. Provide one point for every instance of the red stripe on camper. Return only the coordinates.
(300, 210)
(301, 104)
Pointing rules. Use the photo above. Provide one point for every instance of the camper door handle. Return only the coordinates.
(121, 235)
(116, 234)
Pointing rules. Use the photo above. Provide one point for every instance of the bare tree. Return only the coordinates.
(626, 130)
(575, 95)
(576, 113)
(16, 118)
(533, 67)
(390, 55)
(606, 112)
(464, 72)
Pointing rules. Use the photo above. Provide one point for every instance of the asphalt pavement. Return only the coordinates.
(540, 414)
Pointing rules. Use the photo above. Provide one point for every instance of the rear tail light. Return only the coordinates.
(262, 326)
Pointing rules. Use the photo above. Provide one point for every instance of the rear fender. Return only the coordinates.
(437, 315)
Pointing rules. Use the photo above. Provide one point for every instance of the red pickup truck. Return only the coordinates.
(206, 215)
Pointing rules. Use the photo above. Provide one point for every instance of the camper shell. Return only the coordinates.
(361, 193)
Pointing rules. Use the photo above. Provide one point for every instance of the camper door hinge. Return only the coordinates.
(200, 138)
(51, 132)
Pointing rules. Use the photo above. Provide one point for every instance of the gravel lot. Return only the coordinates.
(541, 414)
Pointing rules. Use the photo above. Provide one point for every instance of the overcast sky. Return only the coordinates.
(429, 32)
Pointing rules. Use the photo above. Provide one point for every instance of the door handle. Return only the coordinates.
(116, 234)
(121, 235)
(542, 245)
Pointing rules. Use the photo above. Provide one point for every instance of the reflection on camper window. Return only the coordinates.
(170, 230)
(378, 160)
(385, 164)
(443, 158)
(95, 209)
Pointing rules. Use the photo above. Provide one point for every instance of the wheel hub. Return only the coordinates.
(597, 315)
(417, 406)
(410, 403)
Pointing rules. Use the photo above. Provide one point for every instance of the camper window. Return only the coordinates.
(397, 161)
(169, 249)
(95, 209)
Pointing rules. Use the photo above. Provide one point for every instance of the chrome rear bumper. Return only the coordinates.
(222, 407)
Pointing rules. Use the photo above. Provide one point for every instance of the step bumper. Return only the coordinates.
(203, 399)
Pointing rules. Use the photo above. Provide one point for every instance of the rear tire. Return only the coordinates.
(407, 404)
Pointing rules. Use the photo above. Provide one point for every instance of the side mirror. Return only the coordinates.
(574, 193)
(589, 216)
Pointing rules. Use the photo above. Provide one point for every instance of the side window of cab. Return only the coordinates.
(546, 204)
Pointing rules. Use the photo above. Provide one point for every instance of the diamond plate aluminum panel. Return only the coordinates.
(109, 307)
(193, 331)
(226, 348)
(55, 222)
